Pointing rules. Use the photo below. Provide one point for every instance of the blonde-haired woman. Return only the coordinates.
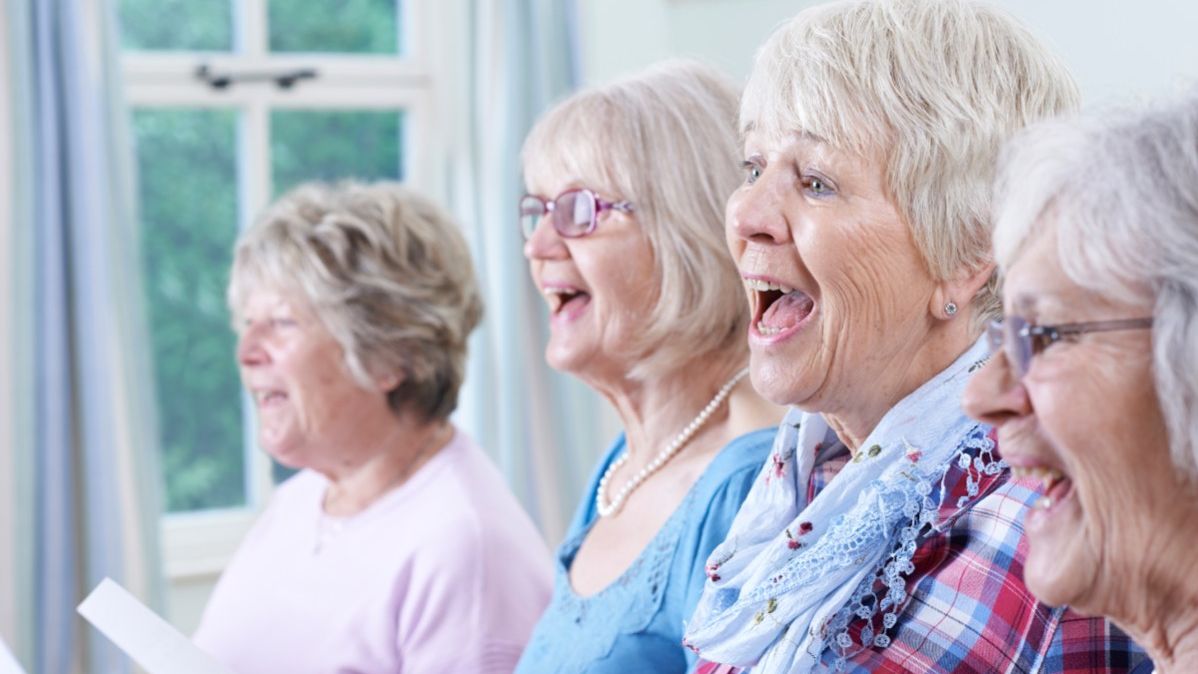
(352, 306)
(624, 235)
(885, 533)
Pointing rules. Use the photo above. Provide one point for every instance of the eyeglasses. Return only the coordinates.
(574, 212)
(1020, 340)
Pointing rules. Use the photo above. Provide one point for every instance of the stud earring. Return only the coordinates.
(950, 309)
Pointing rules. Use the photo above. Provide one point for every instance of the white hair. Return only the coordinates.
(1120, 190)
(932, 88)
(664, 139)
(387, 272)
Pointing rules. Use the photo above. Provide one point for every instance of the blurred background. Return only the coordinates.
(138, 136)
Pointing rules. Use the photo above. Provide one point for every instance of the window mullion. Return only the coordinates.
(255, 190)
(252, 27)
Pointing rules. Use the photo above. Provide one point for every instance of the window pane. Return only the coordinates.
(335, 145)
(169, 25)
(187, 166)
(344, 26)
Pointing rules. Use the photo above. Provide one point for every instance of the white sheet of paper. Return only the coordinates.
(148, 639)
(8, 661)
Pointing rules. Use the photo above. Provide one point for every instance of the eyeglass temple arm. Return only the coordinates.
(1100, 326)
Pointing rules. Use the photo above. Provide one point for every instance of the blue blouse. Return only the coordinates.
(635, 624)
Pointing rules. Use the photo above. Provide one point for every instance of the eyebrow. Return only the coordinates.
(1028, 304)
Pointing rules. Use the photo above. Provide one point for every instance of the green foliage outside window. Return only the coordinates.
(187, 173)
(333, 26)
(194, 25)
(334, 145)
(346, 26)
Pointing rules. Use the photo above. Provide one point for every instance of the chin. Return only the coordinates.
(776, 382)
(1059, 576)
(560, 359)
(283, 452)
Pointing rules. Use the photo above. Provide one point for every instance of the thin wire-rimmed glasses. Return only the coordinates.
(574, 212)
(1020, 340)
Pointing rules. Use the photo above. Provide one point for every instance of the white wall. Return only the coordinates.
(1115, 48)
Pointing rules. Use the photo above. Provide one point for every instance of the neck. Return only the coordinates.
(653, 412)
(370, 470)
(887, 378)
(1160, 610)
(1173, 647)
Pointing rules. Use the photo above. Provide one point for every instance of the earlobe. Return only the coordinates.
(954, 294)
(389, 382)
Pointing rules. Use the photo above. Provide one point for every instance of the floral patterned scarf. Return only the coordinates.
(792, 575)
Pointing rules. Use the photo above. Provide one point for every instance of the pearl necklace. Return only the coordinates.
(613, 506)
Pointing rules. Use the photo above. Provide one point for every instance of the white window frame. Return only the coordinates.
(198, 545)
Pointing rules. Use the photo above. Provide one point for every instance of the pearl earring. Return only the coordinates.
(950, 309)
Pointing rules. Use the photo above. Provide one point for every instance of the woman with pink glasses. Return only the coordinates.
(624, 228)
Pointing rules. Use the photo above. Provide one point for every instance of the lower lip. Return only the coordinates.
(758, 338)
(570, 311)
(1040, 519)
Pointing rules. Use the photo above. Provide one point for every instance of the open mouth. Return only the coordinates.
(269, 398)
(778, 310)
(1056, 487)
(565, 301)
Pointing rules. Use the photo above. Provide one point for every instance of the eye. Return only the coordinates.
(752, 172)
(817, 186)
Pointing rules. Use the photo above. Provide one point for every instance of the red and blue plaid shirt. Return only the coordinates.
(969, 610)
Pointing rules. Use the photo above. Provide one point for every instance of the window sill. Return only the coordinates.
(201, 544)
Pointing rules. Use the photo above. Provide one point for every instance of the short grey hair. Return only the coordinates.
(387, 272)
(664, 139)
(932, 88)
(1120, 190)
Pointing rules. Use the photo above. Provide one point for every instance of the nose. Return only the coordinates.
(545, 243)
(249, 346)
(995, 395)
(757, 212)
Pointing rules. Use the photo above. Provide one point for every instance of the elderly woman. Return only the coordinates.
(1093, 386)
(352, 306)
(883, 533)
(624, 226)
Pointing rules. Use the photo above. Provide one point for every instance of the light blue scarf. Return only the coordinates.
(792, 575)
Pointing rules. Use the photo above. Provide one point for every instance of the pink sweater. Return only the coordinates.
(443, 574)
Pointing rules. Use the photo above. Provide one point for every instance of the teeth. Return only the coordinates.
(767, 330)
(1046, 476)
(1042, 503)
(764, 286)
(558, 291)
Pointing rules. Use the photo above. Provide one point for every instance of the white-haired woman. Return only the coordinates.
(1093, 385)
(624, 219)
(884, 534)
(353, 305)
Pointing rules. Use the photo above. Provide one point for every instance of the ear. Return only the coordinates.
(388, 382)
(959, 291)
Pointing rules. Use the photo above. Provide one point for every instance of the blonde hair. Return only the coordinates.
(932, 88)
(665, 140)
(387, 272)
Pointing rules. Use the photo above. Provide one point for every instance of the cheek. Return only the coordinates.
(625, 281)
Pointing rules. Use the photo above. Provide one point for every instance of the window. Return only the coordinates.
(233, 102)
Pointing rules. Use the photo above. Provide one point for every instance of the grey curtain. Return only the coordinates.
(513, 59)
(86, 435)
